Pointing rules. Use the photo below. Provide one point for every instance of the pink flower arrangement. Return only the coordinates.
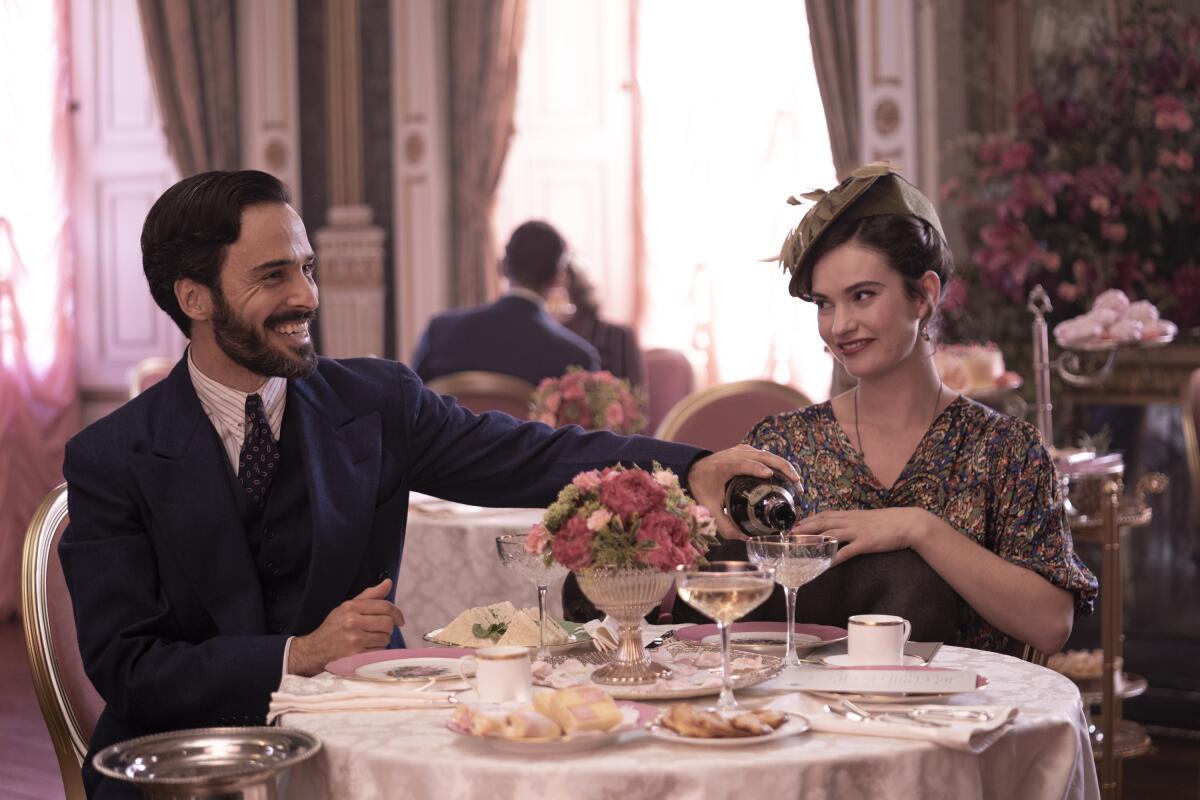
(1098, 172)
(623, 517)
(593, 400)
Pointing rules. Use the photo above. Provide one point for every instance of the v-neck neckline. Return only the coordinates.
(858, 458)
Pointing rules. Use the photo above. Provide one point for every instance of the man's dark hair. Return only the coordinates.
(189, 229)
(534, 254)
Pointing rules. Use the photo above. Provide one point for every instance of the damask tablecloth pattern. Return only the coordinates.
(411, 754)
(450, 564)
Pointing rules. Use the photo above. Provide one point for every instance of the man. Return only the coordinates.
(514, 335)
(245, 516)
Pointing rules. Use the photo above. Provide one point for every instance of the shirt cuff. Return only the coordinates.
(287, 649)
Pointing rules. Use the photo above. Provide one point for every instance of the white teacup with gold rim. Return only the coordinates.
(877, 639)
(501, 674)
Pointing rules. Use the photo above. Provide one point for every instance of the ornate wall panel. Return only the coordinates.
(887, 70)
(122, 166)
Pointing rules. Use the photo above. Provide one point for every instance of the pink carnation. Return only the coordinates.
(614, 415)
(598, 519)
(670, 536)
(631, 492)
(572, 547)
(587, 481)
(666, 479)
(700, 515)
(536, 541)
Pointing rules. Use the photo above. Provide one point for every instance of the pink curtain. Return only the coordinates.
(38, 398)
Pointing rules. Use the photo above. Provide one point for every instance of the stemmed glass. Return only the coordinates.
(797, 559)
(726, 591)
(532, 566)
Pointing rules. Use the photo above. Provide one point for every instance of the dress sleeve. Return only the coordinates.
(1028, 527)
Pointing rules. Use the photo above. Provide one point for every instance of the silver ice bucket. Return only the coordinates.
(247, 763)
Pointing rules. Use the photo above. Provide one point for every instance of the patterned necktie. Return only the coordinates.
(259, 459)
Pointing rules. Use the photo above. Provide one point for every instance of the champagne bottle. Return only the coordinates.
(761, 506)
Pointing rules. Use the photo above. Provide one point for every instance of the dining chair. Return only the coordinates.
(148, 372)
(1190, 406)
(721, 416)
(1033, 655)
(669, 379)
(70, 704)
(487, 391)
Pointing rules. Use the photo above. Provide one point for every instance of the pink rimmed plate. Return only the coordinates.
(765, 637)
(795, 724)
(887, 698)
(416, 665)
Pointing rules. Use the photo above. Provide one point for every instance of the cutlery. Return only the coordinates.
(850, 711)
(660, 640)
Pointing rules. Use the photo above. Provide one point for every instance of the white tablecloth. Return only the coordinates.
(411, 754)
(450, 564)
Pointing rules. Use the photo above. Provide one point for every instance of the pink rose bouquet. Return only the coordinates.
(593, 400)
(623, 517)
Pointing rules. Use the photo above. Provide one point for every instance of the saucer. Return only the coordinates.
(843, 660)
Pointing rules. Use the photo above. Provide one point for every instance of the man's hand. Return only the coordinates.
(708, 476)
(356, 626)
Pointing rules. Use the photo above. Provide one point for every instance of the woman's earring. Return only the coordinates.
(925, 333)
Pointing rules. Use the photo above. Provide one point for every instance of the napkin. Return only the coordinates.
(327, 693)
(608, 627)
(973, 737)
(431, 506)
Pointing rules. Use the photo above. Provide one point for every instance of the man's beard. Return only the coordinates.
(249, 348)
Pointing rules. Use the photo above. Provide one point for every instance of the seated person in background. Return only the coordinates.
(617, 344)
(243, 518)
(514, 335)
(949, 513)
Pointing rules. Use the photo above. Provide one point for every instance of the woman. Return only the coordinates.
(617, 344)
(901, 463)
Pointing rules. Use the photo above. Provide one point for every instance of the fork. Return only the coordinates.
(888, 716)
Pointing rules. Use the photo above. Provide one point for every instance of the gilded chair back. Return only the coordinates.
(721, 416)
(669, 379)
(487, 391)
(1190, 405)
(1033, 655)
(148, 372)
(70, 704)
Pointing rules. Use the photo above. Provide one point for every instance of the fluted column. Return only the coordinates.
(349, 246)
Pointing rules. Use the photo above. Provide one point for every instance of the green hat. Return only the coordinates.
(869, 191)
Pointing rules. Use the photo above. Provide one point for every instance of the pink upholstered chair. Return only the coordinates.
(487, 391)
(721, 416)
(70, 704)
(1190, 406)
(148, 372)
(669, 379)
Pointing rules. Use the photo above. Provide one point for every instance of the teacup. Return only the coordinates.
(877, 639)
(501, 674)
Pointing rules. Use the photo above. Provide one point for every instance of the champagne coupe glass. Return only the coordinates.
(797, 559)
(726, 591)
(532, 566)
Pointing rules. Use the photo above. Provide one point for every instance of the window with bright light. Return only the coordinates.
(32, 211)
(732, 125)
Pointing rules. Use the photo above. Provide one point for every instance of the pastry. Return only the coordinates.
(579, 708)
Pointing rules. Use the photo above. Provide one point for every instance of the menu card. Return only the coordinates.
(922, 680)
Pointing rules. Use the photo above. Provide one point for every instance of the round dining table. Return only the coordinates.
(450, 564)
(410, 753)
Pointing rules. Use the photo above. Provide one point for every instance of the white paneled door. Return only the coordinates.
(121, 167)
(570, 163)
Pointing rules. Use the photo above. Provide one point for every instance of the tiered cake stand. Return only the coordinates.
(1113, 738)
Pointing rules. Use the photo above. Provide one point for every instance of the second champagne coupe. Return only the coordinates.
(797, 559)
(511, 548)
(726, 591)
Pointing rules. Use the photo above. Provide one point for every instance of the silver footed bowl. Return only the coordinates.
(627, 594)
(208, 762)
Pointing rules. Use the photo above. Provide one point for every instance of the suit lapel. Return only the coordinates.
(341, 462)
(185, 480)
